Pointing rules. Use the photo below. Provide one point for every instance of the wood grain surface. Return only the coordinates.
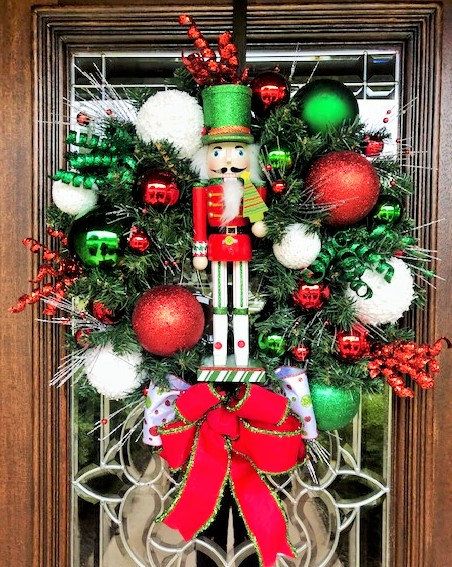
(34, 44)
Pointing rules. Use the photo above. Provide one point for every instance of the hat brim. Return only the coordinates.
(212, 139)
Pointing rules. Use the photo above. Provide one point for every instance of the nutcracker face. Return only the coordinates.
(227, 159)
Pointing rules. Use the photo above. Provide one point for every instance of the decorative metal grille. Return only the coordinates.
(119, 487)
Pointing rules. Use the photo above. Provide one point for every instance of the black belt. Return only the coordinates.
(231, 230)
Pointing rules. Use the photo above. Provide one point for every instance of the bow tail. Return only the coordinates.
(263, 516)
(197, 502)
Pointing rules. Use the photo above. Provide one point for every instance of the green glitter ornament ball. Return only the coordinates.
(334, 407)
(325, 104)
(95, 241)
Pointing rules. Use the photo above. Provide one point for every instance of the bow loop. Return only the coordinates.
(195, 402)
(255, 403)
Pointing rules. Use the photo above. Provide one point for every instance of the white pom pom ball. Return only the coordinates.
(73, 200)
(298, 248)
(173, 116)
(389, 300)
(112, 375)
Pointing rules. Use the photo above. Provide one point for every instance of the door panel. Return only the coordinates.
(34, 471)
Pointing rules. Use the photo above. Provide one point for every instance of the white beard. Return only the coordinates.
(232, 198)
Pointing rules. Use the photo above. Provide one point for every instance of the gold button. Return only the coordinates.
(210, 214)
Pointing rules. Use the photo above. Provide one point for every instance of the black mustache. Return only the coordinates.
(233, 169)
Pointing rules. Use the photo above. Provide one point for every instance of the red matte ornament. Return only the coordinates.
(168, 318)
(138, 240)
(279, 186)
(270, 90)
(159, 188)
(352, 345)
(103, 313)
(311, 296)
(347, 184)
(300, 353)
(233, 442)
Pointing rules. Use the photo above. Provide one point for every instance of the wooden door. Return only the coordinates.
(35, 43)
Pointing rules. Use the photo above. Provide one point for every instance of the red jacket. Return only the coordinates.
(208, 209)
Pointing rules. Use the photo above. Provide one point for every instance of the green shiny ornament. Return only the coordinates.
(334, 407)
(325, 104)
(279, 158)
(96, 242)
(388, 210)
(273, 345)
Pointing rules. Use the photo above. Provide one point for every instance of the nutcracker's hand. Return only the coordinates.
(200, 262)
(259, 229)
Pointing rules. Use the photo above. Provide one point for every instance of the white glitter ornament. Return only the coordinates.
(173, 116)
(298, 248)
(73, 200)
(389, 300)
(112, 375)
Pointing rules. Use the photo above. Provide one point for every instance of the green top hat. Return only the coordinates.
(227, 114)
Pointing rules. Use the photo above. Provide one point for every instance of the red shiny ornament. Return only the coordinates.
(104, 421)
(385, 120)
(353, 344)
(311, 296)
(346, 182)
(138, 240)
(159, 188)
(167, 319)
(81, 337)
(83, 119)
(300, 352)
(270, 90)
(373, 146)
(279, 186)
(103, 313)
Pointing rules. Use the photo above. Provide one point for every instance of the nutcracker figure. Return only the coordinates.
(229, 199)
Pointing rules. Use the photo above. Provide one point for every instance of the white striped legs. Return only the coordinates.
(240, 317)
(220, 312)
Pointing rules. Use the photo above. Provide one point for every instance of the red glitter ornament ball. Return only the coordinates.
(138, 240)
(279, 186)
(300, 353)
(104, 314)
(270, 90)
(348, 183)
(311, 296)
(352, 345)
(166, 319)
(159, 188)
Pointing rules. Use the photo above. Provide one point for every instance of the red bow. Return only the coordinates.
(239, 442)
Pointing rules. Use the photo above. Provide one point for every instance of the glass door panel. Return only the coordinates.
(119, 488)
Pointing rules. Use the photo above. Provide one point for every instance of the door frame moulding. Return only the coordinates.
(416, 27)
